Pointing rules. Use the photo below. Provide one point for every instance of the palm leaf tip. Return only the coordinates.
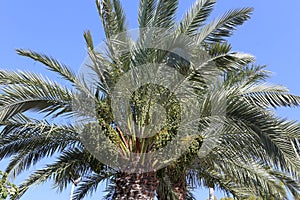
(223, 27)
(112, 16)
(89, 40)
(51, 63)
(196, 16)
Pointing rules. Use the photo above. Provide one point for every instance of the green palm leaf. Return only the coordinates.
(51, 63)
(165, 14)
(196, 16)
(112, 16)
(146, 13)
(224, 26)
(90, 184)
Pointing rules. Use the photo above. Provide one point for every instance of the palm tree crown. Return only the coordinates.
(254, 151)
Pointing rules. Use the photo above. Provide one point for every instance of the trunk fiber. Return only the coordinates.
(136, 186)
(180, 189)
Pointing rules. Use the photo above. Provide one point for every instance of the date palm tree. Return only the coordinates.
(252, 135)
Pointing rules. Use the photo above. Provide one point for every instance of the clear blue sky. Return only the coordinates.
(56, 27)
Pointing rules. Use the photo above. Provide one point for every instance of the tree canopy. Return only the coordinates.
(213, 106)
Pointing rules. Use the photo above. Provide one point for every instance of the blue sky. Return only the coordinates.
(56, 27)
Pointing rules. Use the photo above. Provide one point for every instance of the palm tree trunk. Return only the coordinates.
(211, 193)
(180, 189)
(136, 186)
(178, 186)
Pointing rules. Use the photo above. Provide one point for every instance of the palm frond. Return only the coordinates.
(99, 66)
(248, 81)
(29, 143)
(90, 184)
(231, 174)
(251, 132)
(271, 134)
(211, 68)
(105, 12)
(223, 27)
(229, 61)
(288, 182)
(120, 16)
(51, 63)
(272, 99)
(55, 66)
(219, 49)
(165, 12)
(112, 16)
(196, 16)
(49, 98)
(71, 164)
(146, 13)
(247, 75)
